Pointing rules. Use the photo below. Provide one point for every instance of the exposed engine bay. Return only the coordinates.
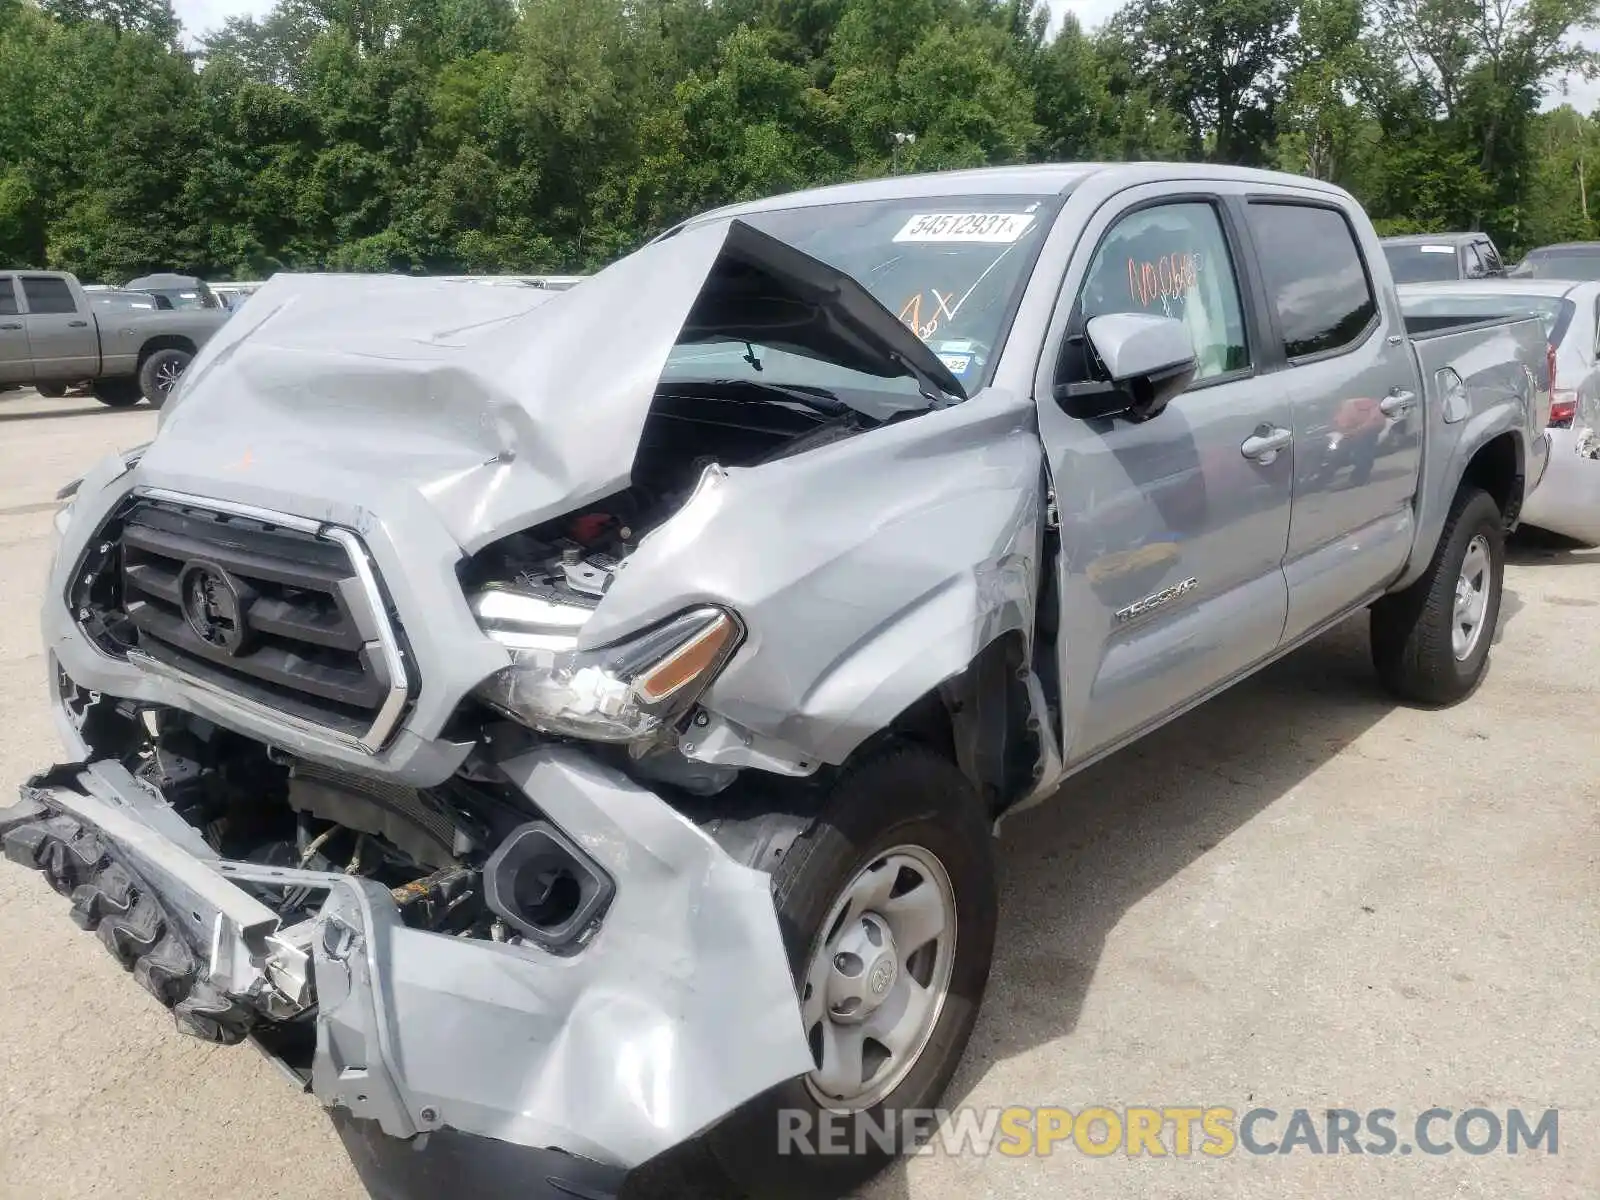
(690, 428)
(470, 857)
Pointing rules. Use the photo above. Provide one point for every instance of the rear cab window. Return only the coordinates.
(1317, 282)
(1422, 262)
(47, 294)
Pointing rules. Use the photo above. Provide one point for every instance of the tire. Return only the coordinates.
(120, 392)
(906, 798)
(51, 391)
(159, 373)
(109, 899)
(1413, 632)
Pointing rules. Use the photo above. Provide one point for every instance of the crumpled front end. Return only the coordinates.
(676, 1011)
(440, 678)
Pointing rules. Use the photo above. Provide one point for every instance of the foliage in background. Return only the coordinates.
(554, 135)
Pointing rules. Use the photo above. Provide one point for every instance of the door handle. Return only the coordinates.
(1263, 445)
(1397, 403)
(10, 325)
(78, 324)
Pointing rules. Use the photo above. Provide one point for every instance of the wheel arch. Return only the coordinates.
(983, 720)
(166, 341)
(1499, 468)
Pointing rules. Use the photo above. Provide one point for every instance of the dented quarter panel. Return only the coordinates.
(866, 572)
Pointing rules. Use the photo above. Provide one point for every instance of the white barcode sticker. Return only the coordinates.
(995, 228)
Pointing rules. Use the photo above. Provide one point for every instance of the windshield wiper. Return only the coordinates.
(815, 400)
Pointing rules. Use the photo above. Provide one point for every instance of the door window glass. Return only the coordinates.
(47, 295)
(1315, 277)
(8, 299)
(1173, 261)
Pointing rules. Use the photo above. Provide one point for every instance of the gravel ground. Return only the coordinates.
(1299, 896)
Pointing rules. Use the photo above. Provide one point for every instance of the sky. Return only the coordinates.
(200, 15)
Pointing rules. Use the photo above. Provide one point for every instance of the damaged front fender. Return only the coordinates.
(679, 1010)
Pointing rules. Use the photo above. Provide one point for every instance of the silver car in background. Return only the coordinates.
(1568, 500)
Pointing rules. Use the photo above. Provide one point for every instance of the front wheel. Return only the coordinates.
(159, 374)
(887, 907)
(51, 391)
(1431, 642)
(118, 392)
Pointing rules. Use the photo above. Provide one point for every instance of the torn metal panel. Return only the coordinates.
(502, 407)
(679, 1009)
(898, 557)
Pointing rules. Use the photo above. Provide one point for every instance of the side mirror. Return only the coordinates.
(1149, 360)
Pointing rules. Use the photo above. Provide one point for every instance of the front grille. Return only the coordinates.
(284, 615)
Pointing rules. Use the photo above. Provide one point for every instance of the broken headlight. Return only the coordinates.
(628, 691)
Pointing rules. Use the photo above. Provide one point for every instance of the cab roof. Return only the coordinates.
(1034, 179)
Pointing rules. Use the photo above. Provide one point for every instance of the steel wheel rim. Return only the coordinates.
(889, 946)
(167, 376)
(1471, 605)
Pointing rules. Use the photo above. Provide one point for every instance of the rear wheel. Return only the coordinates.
(1431, 642)
(159, 374)
(887, 906)
(51, 391)
(119, 392)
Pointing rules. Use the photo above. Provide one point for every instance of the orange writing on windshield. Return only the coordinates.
(1165, 279)
(911, 313)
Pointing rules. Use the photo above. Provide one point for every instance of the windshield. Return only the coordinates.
(1552, 311)
(1560, 264)
(951, 268)
(1422, 263)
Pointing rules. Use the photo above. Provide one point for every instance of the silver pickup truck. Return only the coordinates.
(53, 334)
(566, 729)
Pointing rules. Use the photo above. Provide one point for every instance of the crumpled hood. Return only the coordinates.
(501, 407)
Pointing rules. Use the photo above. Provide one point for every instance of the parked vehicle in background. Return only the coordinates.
(234, 294)
(118, 300)
(1567, 501)
(108, 300)
(1417, 258)
(1568, 260)
(182, 291)
(53, 335)
(548, 737)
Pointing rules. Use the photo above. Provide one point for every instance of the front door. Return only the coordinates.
(15, 365)
(61, 339)
(1173, 530)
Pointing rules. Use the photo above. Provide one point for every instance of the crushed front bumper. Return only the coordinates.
(678, 1010)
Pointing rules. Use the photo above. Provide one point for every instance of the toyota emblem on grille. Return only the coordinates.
(212, 606)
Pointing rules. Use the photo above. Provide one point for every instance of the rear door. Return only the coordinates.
(15, 365)
(1358, 417)
(1172, 530)
(61, 338)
